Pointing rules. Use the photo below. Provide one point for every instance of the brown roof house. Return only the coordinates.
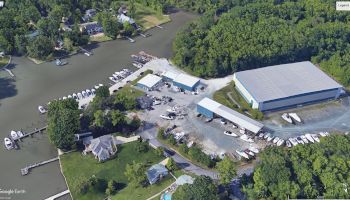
(103, 147)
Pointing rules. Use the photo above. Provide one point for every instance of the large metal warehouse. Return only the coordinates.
(186, 82)
(282, 86)
(210, 108)
(149, 82)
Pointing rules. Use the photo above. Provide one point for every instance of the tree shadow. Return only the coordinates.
(7, 88)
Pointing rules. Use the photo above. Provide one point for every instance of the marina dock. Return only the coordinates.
(37, 130)
(25, 171)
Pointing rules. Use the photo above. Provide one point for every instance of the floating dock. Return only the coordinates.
(25, 171)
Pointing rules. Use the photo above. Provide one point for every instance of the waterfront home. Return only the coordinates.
(103, 147)
(156, 173)
(91, 28)
(89, 14)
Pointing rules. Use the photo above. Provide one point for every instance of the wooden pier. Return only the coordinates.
(25, 171)
(31, 133)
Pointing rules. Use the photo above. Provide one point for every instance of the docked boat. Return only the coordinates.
(269, 139)
(289, 144)
(287, 118)
(8, 143)
(42, 110)
(75, 96)
(83, 93)
(229, 133)
(315, 137)
(70, 96)
(93, 91)
(80, 96)
(295, 117)
(88, 92)
(322, 134)
(309, 137)
(280, 142)
(304, 139)
(137, 65)
(96, 87)
(253, 149)
(267, 135)
(244, 137)
(64, 98)
(100, 84)
(293, 141)
(261, 135)
(20, 134)
(275, 140)
(299, 140)
(249, 152)
(241, 153)
(167, 117)
(14, 135)
(113, 79)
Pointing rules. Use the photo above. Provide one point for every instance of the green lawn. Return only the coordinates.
(222, 97)
(148, 18)
(130, 91)
(78, 168)
(4, 60)
(100, 38)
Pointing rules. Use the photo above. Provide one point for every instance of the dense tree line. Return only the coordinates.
(263, 33)
(306, 171)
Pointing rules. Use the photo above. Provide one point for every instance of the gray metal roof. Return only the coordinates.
(281, 81)
(150, 80)
(187, 80)
(231, 115)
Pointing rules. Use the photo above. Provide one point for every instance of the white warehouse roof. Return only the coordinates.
(150, 80)
(281, 81)
(170, 74)
(231, 115)
(187, 80)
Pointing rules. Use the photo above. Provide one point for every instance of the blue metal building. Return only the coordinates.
(186, 82)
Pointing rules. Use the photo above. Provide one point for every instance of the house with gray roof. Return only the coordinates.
(156, 172)
(103, 147)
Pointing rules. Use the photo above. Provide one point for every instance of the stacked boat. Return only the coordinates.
(305, 139)
(120, 75)
(291, 117)
(248, 153)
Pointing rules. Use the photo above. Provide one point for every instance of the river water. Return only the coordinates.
(37, 84)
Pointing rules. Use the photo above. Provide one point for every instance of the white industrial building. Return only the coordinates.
(149, 82)
(287, 85)
(210, 108)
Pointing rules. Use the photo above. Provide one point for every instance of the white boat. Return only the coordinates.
(156, 102)
(70, 96)
(171, 110)
(315, 137)
(167, 117)
(242, 130)
(304, 139)
(253, 149)
(327, 134)
(93, 91)
(8, 143)
(293, 141)
(113, 79)
(249, 152)
(229, 133)
(87, 54)
(245, 137)
(267, 135)
(289, 144)
(234, 126)
(88, 92)
(64, 98)
(96, 87)
(42, 110)
(322, 134)
(14, 135)
(100, 84)
(80, 96)
(287, 118)
(20, 134)
(75, 96)
(241, 153)
(309, 137)
(269, 138)
(280, 142)
(261, 135)
(295, 117)
(275, 140)
(299, 140)
(83, 93)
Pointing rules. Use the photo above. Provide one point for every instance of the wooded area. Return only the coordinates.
(305, 171)
(264, 33)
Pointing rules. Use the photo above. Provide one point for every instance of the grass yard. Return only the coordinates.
(148, 18)
(4, 60)
(130, 91)
(222, 96)
(100, 38)
(78, 168)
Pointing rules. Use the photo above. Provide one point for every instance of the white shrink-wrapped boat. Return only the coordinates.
(244, 137)
(295, 117)
(287, 118)
(241, 153)
(309, 137)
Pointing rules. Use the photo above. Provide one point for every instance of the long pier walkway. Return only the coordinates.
(58, 195)
(32, 132)
(25, 171)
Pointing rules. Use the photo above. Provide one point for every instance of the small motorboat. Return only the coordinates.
(289, 144)
(75, 96)
(113, 79)
(234, 126)
(245, 137)
(100, 84)
(93, 91)
(269, 138)
(42, 110)
(88, 92)
(322, 134)
(267, 135)
(96, 87)
(83, 93)
(64, 98)
(20, 134)
(287, 118)
(80, 96)
(299, 140)
(280, 142)
(295, 117)
(70, 96)
(249, 152)
(137, 65)
(315, 137)
(241, 153)
(275, 140)
(167, 117)
(14, 135)
(253, 149)
(304, 139)
(8, 143)
(293, 141)
(229, 133)
(309, 137)
(171, 110)
(261, 135)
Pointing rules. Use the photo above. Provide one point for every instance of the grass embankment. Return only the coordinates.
(4, 60)
(78, 168)
(222, 96)
(148, 17)
(130, 91)
(148, 71)
(100, 38)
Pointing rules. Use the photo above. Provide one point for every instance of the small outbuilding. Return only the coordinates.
(186, 82)
(149, 82)
(156, 173)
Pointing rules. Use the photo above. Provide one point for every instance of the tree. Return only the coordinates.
(40, 47)
(160, 133)
(48, 27)
(109, 24)
(183, 148)
(136, 173)
(111, 188)
(142, 146)
(171, 164)
(202, 188)
(20, 44)
(172, 140)
(132, 8)
(227, 170)
(128, 29)
(68, 44)
(160, 151)
(102, 92)
(117, 117)
(100, 119)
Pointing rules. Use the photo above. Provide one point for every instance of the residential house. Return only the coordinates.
(156, 172)
(103, 147)
(89, 14)
(91, 28)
